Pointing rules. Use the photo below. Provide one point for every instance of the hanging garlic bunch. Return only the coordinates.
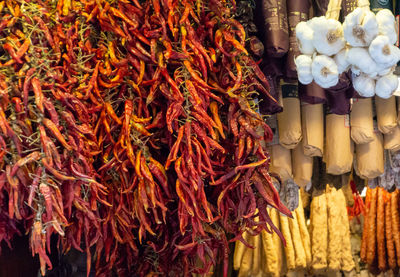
(386, 85)
(325, 71)
(364, 85)
(304, 35)
(387, 25)
(364, 44)
(303, 66)
(328, 35)
(360, 27)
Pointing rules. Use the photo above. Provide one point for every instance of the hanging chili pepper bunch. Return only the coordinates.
(131, 130)
(48, 177)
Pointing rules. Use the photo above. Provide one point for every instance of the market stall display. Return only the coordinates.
(201, 137)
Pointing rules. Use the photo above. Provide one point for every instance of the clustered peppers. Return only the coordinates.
(130, 129)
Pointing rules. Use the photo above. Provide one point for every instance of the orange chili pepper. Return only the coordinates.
(141, 119)
(112, 114)
(140, 128)
(56, 132)
(119, 14)
(195, 75)
(182, 197)
(37, 89)
(175, 148)
(137, 163)
(250, 165)
(56, 173)
(228, 36)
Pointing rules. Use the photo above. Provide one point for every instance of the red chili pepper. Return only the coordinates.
(11, 51)
(39, 97)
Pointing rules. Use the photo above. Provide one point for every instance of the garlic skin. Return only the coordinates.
(360, 27)
(303, 67)
(355, 70)
(324, 71)
(341, 61)
(328, 35)
(304, 35)
(360, 58)
(364, 85)
(383, 52)
(387, 25)
(386, 85)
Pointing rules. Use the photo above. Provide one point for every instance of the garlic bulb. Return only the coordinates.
(328, 35)
(304, 35)
(364, 85)
(386, 85)
(360, 27)
(360, 58)
(384, 70)
(303, 67)
(325, 71)
(341, 61)
(387, 25)
(383, 52)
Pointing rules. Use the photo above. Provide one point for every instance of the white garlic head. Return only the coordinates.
(328, 35)
(360, 58)
(341, 61)
(324, 71)
(364, 85)
(304, 35)
(360, 27)
(303, 67)
(383, 52)
(386, 85)
(387, 25)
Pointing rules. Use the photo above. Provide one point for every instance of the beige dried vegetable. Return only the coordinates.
(334, 235)
(300, 254)
(247, 260)
(289, 249)
(346, 259)
(239, 252)
(305, 236)
(272, 249)
(319, 236)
